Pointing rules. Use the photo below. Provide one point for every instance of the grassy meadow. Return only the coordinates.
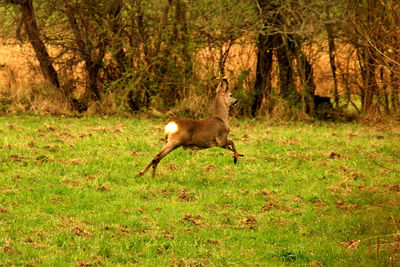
(321, 194)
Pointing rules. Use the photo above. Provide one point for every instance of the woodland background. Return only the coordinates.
(286, 59)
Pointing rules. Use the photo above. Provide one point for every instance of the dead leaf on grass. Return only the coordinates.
(83, 263)
(28, 240)
(343, 206)
(33, 243)
(195, 219)
(16, 157)
(383, 171)
(186, 195)
(104, 187)
(10, 191)
(266, 192)
(168, 235)
(90, 178)
(70, 182)
(82, 135)
(250, 223)
(269, 195)
(75, 161)
(251, 220)
(343, 168)
(112, 227)
(318, 203)
(395, 202)
(136, 152)
(210, 167)
(286, 208)
(97, 260)
(165, 192)
(343, 186)
(269, 206)
(244, 191)
(171, 167)
(65, 135)
(50, 147)
(289, 141)
(351, 135)
(355, 175)
(104, 130)
(51, 128)
(76, 230)
(43, 158)
(10, 250)
(351, 245)
(213, 241)
(334, 155)
(315, 263)
(394, 187)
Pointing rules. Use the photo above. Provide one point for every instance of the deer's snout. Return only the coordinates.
(234, 101)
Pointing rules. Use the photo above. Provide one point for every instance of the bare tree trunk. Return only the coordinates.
(116, 28)
(367, 66)
(369, 87)
(331, 46)
(28, 18)
(262, 87)
(91, 54)
(383, 90)
(286, 82)
(182, 27)
(307, 80)
(395, 84)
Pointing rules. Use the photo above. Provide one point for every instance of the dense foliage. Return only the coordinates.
(165, 54)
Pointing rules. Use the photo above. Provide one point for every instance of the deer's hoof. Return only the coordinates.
(234, 159)
(139, 174)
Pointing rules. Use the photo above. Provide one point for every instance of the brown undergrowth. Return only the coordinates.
(22, 88)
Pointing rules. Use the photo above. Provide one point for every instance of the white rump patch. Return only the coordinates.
(171, 128)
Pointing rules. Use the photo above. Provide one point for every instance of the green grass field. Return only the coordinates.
(322, 194)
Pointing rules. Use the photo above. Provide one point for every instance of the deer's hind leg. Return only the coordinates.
(167, 148)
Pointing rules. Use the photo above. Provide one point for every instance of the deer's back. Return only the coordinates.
(198, 133)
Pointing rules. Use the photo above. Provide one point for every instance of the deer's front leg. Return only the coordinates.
(236, 153)
(228, 144)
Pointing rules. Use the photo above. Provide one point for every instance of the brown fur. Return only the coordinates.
(201, 134)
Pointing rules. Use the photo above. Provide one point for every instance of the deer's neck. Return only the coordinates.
(221, 110)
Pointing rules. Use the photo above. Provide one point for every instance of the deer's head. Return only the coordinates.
(224, 94)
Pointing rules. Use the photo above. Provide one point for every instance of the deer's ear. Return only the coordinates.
(223, 85)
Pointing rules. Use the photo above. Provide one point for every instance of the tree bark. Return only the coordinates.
(394, 81)
(367, 68)
(331, 46)
(92, 53)
(33, 33)
(286, 81)
(262, 87)
(116, 28)
(307, 80)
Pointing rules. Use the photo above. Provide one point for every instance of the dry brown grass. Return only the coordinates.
(22, 88)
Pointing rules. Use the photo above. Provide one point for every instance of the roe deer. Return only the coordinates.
(200, 134)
